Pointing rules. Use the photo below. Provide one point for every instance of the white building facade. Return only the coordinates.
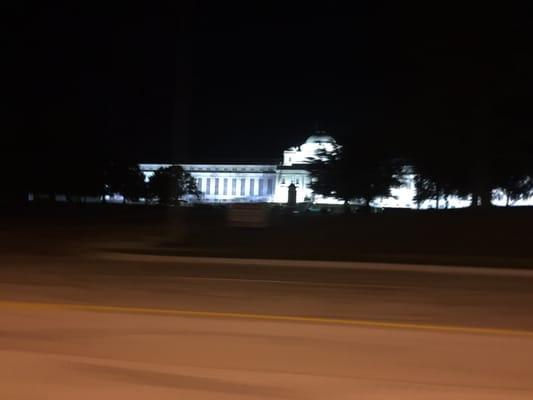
(228, 183)
(256, 183)
(269, 183)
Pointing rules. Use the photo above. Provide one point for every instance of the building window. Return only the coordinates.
(283, 181)
(270, 186)
(234, 186)
(261, 188)
(243, 181)
(252, 182)
(208, 186)
(199, 184)
(217, 181)
(225, 188)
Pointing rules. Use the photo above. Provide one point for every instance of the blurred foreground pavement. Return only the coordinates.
(80, 326)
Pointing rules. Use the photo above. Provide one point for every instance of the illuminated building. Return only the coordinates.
(234, 183)
(269, 183)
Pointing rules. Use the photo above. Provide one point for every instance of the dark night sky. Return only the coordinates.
(186, 80)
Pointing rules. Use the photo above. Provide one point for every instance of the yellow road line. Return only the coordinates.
(263, 317)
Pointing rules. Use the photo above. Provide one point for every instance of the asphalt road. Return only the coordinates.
(85, 328)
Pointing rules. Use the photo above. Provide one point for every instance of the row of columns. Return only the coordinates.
(235, 186)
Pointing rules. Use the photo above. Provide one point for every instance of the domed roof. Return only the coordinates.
(320, 137)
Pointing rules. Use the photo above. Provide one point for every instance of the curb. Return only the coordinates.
(355, 265)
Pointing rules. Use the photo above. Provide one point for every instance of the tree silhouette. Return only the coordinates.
(169, 185)
(354, 174)
(439, 176)
(513, 175)
(126, 179)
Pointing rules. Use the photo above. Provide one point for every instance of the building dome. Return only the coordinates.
(320, 137)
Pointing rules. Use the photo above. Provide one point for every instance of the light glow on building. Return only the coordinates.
(269, 183)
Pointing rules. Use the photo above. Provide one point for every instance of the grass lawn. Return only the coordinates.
(497, 237)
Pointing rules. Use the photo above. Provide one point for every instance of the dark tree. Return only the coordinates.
(513, 175)
(439, 176)
(517, 188)
(426, 189)
(125, 179)
(169, 185)
(474, 171)
(354, 174)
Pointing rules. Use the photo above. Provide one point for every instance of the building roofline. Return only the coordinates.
(221, 162)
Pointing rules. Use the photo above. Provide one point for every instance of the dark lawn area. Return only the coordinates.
(496, 237)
